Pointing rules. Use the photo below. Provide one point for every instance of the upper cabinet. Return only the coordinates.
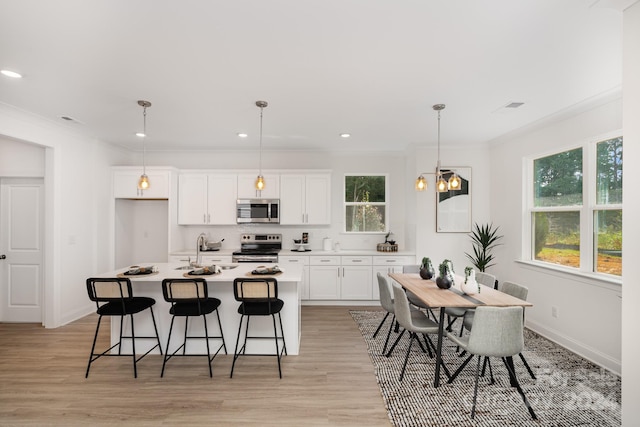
(207, 199)
(125, 183)
(247, 186)
(305, 199)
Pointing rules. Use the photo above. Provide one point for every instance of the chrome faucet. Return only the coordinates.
(201, 241)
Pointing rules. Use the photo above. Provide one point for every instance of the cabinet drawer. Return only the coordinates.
(324, 260)
(356, 260)
(296, 260)
(393, 260)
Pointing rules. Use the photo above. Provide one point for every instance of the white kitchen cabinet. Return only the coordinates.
(355, 278)
(207, 199)
(247, 186)
(125, 184)
(205, 259)
(302, 261)
(340, 278)
(305, 199)
(386, 265)
(324, 278)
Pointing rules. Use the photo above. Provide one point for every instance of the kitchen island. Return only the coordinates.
(221, 287)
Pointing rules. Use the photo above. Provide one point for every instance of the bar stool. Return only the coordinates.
(258, 297)
(190, 297)
(117, 299)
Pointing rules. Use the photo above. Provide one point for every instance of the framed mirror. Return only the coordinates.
(453, 207)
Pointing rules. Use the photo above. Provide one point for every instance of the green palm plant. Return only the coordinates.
(484, 238)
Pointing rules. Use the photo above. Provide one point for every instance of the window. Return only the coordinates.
(576, 208)
(365, 203)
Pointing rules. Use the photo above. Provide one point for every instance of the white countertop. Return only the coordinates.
(291, 252)
(290, 273)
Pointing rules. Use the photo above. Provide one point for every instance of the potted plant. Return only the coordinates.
(484, 238)
(470, 285)
(426, 269)
(445, 278)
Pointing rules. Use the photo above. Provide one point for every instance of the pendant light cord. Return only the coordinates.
(144, 130)
(261, 109)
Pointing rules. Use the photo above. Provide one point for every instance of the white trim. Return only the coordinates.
(594, 279)
(582, 350)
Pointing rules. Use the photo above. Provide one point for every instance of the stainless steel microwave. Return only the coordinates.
(258, 211)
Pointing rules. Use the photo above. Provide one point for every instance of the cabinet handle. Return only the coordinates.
(294, 260)
(391, 260)
(325, 260)
(208, 218)
(204, 218)
(356, 260)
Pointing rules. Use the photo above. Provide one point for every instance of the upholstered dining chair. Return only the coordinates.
(114, 297)
(413, 298)
(258, 296)
(496, 332)
(515, 290)
(189, 297)
(415, 322)
(454, 313)
(386, 301)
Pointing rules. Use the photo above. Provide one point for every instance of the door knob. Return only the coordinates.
(3, 256)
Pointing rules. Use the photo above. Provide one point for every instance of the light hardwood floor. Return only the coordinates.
(331, 382)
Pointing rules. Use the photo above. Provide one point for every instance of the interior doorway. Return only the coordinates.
(21, 243)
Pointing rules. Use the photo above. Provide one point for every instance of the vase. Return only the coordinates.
(426, 274)
(443, 282)
(470, 285)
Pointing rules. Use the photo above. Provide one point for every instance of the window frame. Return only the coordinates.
(345, 204)
(587, 209)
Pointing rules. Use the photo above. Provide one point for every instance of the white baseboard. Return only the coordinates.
(373, 303)
(77, 314)
(603, 360)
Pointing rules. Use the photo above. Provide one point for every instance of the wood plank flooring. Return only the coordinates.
(331, 382)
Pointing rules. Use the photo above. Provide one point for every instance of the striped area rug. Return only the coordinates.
(568, 391)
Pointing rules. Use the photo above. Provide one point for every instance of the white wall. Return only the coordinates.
(631, 225)
(77, 185)
(588, 319)
(453, 246)
(339, 163)
(19, 159)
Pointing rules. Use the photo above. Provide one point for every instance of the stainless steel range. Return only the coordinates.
(258, 248)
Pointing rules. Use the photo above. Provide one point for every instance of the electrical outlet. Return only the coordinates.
(554, 312)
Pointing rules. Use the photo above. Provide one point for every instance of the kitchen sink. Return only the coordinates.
(185, 267)
(228, 266)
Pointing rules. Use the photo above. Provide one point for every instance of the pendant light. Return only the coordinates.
(260, 184)
(442, 185)
(143, 182)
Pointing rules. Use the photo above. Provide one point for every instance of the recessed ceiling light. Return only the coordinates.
(514, 105)
(11, 74)
(242, 135)
(140, 134)
(345, 135)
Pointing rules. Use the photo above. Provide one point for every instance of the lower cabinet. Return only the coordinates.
(300, 261)
(205, 259)
(386, 265)
(324, 279)
(340, 278)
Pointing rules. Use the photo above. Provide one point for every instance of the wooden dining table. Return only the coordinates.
(434, 297)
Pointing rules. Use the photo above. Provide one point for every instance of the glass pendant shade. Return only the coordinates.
(441, 185)
(421, 183)
(143, 182)
(260, 183)
(454, 182)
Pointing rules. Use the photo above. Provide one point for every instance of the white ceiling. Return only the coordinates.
(372, 68)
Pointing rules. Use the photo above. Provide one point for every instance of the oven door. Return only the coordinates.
(257, 211)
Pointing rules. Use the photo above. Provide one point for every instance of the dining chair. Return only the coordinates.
(386, 301)
(114, 297)
(453, 313)
(515, 290)
(189, 297)
(496, 332)
(415, 322)
(258, 296)
(413, 298)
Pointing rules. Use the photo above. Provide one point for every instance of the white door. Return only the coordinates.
(21, 243)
